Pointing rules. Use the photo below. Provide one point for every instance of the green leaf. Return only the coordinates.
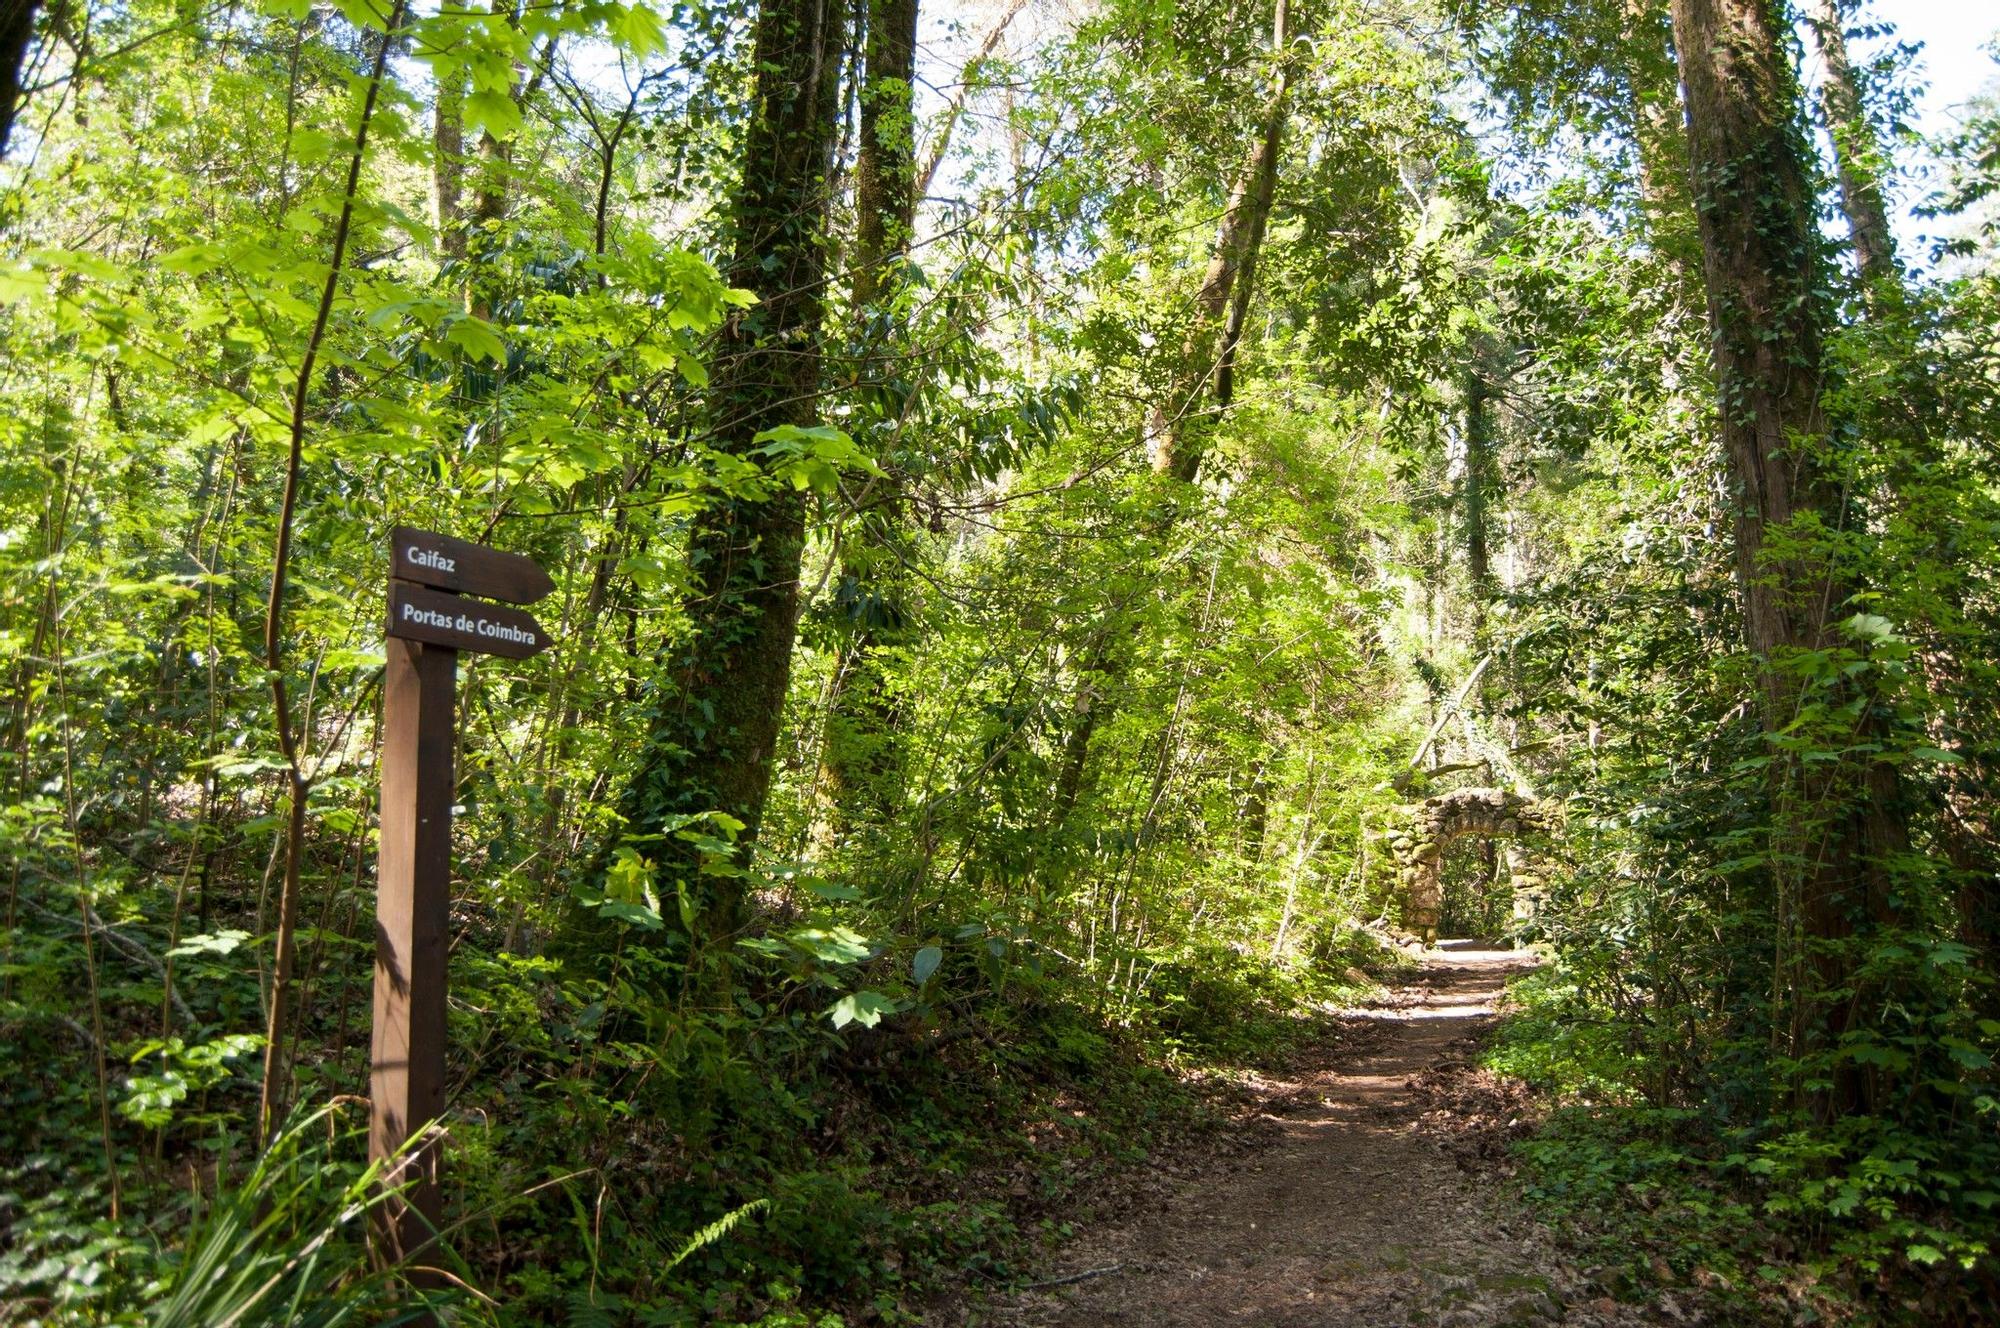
(840, 945)
(632, 915)
(151, 1098)
(865, 1008)
(495, 112)
(362, 13)
(637, 29)
(477, 338)
(926, 963)
(1870, 627)
(21, 283)
(830, 891)
(1925, 1254)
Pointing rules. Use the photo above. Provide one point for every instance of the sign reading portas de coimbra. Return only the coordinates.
(418, 614)
(431, 619)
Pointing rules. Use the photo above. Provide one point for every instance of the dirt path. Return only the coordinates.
(1346, 1213)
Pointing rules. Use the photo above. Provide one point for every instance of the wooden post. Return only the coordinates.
(412, 914)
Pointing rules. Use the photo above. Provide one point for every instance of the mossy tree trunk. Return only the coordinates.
(714, 715)
(1836, 821)
(1204, 383)
(860, 765)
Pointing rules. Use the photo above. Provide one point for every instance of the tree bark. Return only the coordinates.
(1208, 354)
(1476, 490)
(17, 38)
(713, 729)
(1835, 821)
(885, 168)
(1857, 154)
(1964, 821)
(858, 756)
(942, 143)
(448, 172)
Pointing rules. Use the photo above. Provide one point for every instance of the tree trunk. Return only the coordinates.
(1835, 823)
(1964, 822)
(858, 756)
(714, 724)
(885, 169)
(941, 144)
(1208, 354)
(1857, 154)
(1208, 358)
(1476, 491)
(448, 173)
(17, 38)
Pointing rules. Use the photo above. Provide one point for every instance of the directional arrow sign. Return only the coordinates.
(472, 569)
(417, 614)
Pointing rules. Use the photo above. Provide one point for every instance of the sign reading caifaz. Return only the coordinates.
(431, 559)
(438, 619)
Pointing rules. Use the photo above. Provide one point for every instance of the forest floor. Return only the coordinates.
(1366, 1185)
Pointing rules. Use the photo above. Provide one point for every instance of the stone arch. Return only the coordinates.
(1413, 840)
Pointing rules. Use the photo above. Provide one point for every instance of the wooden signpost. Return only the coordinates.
(429, 623)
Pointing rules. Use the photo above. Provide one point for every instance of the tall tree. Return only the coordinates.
(1204, 379)
(713, 722)
(885, 166)
(858, 753)
(1768, 312)
(1207, 364)
(1920, 483)
(1857, 153)
(1607, 65)
(448, 164)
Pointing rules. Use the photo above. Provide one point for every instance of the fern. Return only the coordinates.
(585, 1312)
(716, 1230)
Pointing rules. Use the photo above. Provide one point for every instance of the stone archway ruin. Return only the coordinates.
(1407, 850)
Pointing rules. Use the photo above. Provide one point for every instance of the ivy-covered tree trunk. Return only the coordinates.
(1918, 486)
(1836, 820)
(885, 167)
(713, 727)
(859, 763)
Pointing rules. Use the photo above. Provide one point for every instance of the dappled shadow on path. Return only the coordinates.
(1347, 1216)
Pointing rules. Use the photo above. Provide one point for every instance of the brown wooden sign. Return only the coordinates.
(470, 569)
(427, 629)
(438, 619)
